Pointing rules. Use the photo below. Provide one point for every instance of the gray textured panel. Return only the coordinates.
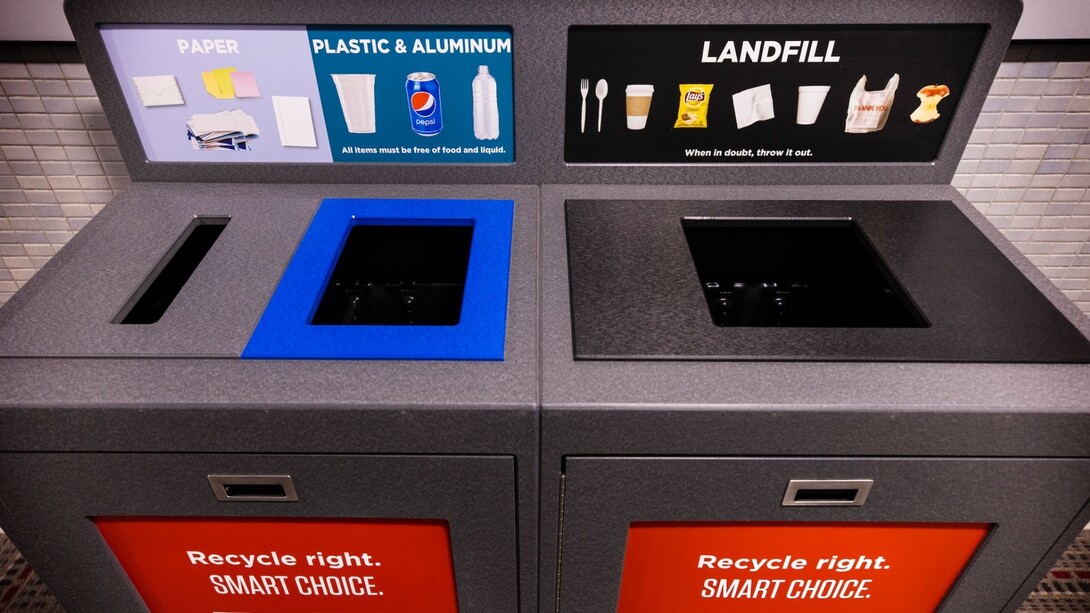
(603, 495)
(566, 382)
(68, 307)
(539, 53)
(648, 304)
(473, 493)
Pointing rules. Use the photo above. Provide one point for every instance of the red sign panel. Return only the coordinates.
(797, 567)
(193, 565)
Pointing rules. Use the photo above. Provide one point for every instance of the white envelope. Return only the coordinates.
(753, 105)
(294, 121)
(158, 90)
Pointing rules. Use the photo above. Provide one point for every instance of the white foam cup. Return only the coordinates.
(811, 97)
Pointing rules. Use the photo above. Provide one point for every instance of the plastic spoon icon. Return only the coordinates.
(600, 90)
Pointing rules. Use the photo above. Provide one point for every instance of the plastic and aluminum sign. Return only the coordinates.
(764, 94)
(248, 94)
(801, 567)
(195, 565)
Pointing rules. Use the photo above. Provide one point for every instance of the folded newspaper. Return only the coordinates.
(231, 130)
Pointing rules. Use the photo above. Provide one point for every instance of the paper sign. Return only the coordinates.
(285, 565)
(797, 567)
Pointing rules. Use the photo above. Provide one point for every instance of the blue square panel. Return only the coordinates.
(393, 280)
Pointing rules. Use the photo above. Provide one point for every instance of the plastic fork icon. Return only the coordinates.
(584, 88)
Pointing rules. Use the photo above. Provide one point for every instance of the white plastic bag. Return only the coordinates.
(868, 111)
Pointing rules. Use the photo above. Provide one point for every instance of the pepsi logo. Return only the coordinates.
(423, 104)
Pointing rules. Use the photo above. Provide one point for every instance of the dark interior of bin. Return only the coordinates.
(820, 273)
(399, 274)
(158, 292)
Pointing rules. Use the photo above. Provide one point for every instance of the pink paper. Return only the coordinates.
(245, 85)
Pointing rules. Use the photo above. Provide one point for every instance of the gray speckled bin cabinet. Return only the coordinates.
(698, 440)
(102, 419)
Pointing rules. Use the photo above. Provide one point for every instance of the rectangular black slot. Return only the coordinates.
(820, 273)
(254, 490)
(826, 495)
(400, 274)
(168, 277)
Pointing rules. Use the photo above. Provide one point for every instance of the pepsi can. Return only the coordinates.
(425, 108)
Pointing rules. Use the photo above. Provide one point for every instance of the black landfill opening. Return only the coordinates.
(171, 274)
(411, 275)
(820, 273)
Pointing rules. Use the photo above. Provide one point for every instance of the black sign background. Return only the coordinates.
(668, 56)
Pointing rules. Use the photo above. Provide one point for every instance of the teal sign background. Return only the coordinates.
(391, 55)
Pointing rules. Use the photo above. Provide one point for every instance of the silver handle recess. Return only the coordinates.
(253, 488)
(827, 492)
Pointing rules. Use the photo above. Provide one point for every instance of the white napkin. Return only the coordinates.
(753, 105)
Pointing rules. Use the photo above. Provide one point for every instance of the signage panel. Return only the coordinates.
(285, 565)
(801, 567)
(764, 94)
(314, 94)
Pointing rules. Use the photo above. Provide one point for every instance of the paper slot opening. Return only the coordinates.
(151, 300)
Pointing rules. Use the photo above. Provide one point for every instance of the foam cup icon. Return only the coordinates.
(811, 97)
(357, 95)
(637, 105)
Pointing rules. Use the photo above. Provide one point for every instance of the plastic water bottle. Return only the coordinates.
(486, 112)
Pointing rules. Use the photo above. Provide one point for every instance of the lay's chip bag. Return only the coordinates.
(692, 110)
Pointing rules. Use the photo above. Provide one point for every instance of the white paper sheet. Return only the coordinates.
(294, 122)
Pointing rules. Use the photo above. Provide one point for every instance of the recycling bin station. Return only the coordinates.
(294, 366)
(560, 306)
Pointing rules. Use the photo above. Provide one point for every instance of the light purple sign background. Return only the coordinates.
(278, 56)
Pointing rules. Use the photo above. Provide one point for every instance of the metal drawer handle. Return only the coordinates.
(827, 492)
(253, 488)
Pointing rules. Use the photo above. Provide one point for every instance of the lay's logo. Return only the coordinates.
(694, 96)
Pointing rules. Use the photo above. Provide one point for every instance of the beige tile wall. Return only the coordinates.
(1027, 165)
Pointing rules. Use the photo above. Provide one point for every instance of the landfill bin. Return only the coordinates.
(798, 371)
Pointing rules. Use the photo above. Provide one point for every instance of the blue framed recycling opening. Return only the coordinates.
(286, 329)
